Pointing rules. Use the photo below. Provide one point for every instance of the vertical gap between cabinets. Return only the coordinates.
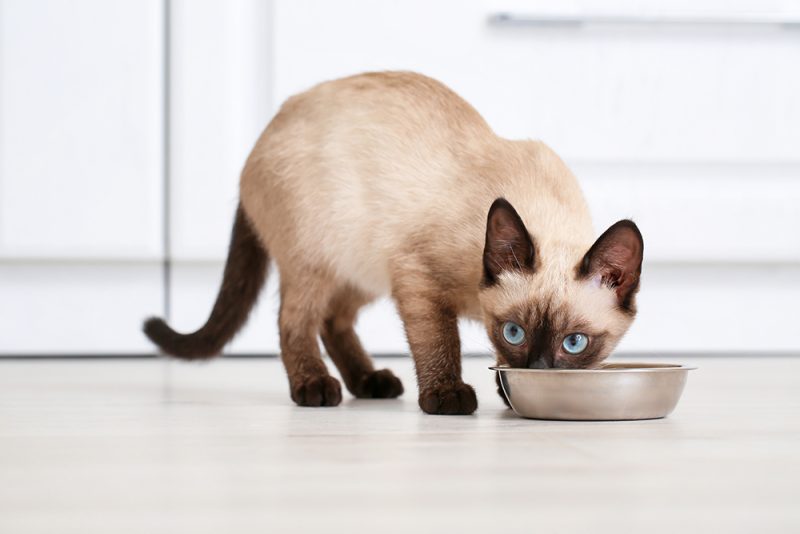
(166, 210)
(166, 376)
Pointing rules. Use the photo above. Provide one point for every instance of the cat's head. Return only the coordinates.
(568, 310)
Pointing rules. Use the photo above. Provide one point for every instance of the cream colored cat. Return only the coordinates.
(391, 184)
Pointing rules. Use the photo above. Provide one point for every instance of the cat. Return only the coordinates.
(389, 183)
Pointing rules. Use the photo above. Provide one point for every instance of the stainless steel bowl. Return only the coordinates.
(612, 392)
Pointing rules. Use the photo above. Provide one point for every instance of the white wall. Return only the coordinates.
(691, 129)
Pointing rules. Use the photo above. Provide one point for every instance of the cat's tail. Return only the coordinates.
(245, 272)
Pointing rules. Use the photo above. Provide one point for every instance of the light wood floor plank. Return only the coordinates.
(144, 446)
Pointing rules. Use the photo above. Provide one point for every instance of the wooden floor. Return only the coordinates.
(149, 447)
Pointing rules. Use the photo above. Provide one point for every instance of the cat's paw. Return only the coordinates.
(456, 398)
(500, 390)
(317, 391)
(380, 384)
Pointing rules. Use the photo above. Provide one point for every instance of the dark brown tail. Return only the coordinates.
(245, 272)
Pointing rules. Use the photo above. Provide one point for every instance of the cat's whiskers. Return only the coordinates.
(519, 266)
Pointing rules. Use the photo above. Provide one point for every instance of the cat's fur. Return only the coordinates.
(390, 183)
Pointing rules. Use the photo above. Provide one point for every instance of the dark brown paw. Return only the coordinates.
(449, 399)
(379, 385)
(317, 391)
(500, 390)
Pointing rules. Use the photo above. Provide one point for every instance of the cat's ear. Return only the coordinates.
(615, 260)
(509, 246)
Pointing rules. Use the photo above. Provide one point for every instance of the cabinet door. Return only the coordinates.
(77, 308)
(220, 102)
(651, 89)
(81, 174)
(81, 143)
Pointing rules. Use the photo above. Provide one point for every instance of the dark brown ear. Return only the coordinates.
(616, 259)
(508, 244)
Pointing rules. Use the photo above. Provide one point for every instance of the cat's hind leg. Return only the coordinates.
(344, 348)
(304, 299)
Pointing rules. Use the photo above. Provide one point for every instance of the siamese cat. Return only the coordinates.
(390, 184)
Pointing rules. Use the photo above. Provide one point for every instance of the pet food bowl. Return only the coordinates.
(611, 392)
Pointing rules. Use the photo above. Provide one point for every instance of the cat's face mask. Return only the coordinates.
(557, 307)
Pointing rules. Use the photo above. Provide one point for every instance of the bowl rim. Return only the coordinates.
(610, 368)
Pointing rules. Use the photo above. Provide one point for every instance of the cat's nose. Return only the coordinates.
(539, 363)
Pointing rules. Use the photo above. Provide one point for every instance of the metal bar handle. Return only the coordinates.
(505, 19)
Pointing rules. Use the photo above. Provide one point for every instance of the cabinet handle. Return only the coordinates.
(506, 19)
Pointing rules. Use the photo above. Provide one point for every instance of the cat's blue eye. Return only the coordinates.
(513, 333)
(575, 343)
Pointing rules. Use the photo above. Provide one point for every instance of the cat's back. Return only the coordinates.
(367, 133)
(376, 114)
(400, 97)
(345, 164)
(358, 169)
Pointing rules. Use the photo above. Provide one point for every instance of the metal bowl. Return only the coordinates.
(612, 392)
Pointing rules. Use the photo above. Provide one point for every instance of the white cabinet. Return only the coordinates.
(77, 308)
(607, 92)
(220, 100)
(693, 130)
(81, 174)
(220, 93)
(81, 138)
(712, 108)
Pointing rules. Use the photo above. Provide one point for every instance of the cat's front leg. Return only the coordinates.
(431, 326)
